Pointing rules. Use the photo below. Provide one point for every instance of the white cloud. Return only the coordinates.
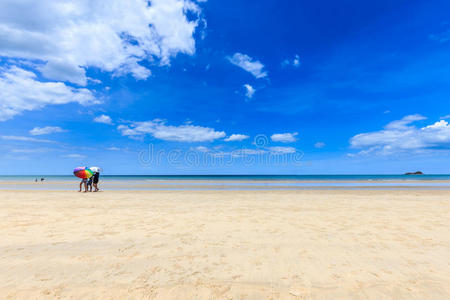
(403, 123)
(270, 150)
(159, 130)
(295, 62)
(284, 137)
(282, 150)
(103, 119)
(319, 145)
(250, 91)
(113, 149)
(236, 137)
(95, 81)
(244, 152)
(202, 149)
(74, 156)
(437, 126)
(21, 91)
(445, 117)
(400, 136)
(29, 150)
(24, 139)
(255, 67)
(63, 71)
(66, 37)
(46, 130)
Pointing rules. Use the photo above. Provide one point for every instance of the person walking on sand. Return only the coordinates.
(89, 184)
(96, 178)
(83, 181)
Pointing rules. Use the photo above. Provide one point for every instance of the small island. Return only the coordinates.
(415, 173)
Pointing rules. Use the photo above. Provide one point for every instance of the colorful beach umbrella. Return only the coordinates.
(83, 172)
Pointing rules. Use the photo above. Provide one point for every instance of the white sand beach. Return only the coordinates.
(280, 244)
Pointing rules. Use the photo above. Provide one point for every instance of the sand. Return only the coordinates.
(280, 244)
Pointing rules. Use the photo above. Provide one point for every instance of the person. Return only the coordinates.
(83, 181)
(89, 184)
(96, 178)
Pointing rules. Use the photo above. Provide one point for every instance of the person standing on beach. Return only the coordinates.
(96, 178)
(89, 184)
(83, 181)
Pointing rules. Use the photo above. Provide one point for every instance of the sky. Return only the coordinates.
(235, 87)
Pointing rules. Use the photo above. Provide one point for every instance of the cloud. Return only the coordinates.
(400, 136)
(113, 149)
(244, 152)
(270, 150)
(441, 37)
(61, 40)
(24, 139)
(74, 156)
(21, 91)
(284, 137)
(66, 37)
(29, 150)
(282, 150)
(159, 130)
(255, 67)
(202, 149)
(295, 62)
(250, 91)
(46, 130)
(319, 145)
(103, 119)
(402, 124)
(445, 117)
(63, 71)
(236, 137)
(95, 81)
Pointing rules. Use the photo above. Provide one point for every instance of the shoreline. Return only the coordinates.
(151, 185)
(74, 179)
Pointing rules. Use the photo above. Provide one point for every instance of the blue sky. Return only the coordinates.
(208, 87)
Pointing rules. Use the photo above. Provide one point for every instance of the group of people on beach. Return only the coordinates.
(89, 182)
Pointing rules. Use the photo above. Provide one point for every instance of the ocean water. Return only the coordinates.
(230, 182)
(428, 177)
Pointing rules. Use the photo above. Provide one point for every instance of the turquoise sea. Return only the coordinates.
(430, 177)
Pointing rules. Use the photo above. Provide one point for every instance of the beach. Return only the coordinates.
(225, 244)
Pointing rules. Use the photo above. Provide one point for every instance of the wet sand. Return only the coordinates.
(146, 185)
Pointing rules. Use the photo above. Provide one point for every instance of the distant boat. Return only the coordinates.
(415, 173)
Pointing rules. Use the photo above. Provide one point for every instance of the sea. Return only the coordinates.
(233, 182)
(376, 177)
